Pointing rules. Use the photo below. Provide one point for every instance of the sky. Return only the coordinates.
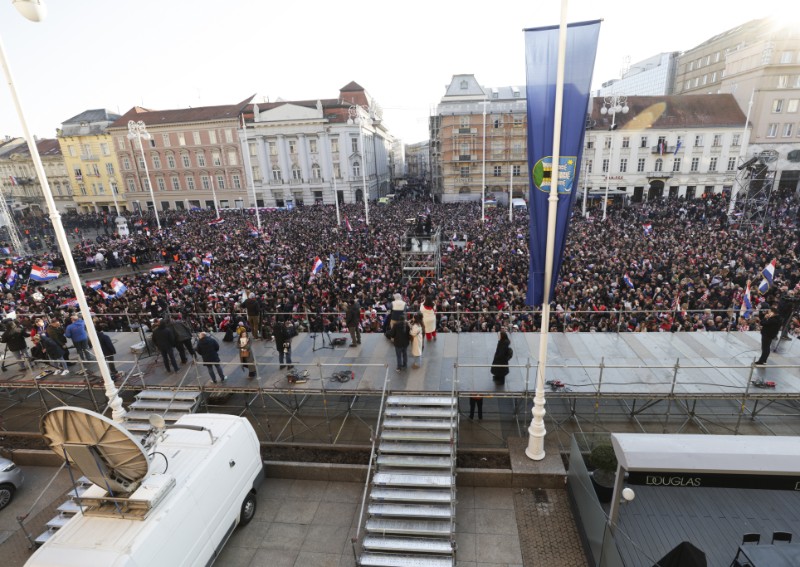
(159, 54)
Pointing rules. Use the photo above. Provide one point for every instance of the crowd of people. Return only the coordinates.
(667, 265)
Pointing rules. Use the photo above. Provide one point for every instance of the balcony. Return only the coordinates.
(466, 157)
(294, 181)
(276, 181)
(466, 130)
(659, 174)
(667, 150)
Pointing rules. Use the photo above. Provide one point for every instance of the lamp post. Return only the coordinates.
(612, 105)
(35, 11)
(355, 114)
(138, 130)
(483, 168)
(248, 175)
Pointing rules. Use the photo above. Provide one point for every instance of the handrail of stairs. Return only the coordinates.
(453, 459)
(372, 464)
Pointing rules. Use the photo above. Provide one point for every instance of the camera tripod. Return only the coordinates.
(322, 334)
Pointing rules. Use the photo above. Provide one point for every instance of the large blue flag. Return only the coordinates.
(541, 56)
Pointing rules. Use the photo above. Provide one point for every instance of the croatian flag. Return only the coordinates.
(317, 266)
(747, 306)
(159, 270)
(105, 295)
(118, 287)
(648, 229)
(206, 261)
(216, 221)
(452, 243)
(627, 279)
(224, 237)
(769, 274)
(94, 284)
(253, 230)
(70, 303)
(6, 251)
(42, 274)
(13, 180)
(348, 225)
(11, 278)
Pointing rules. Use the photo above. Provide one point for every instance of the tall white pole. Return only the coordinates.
(114, 195)
(537, 431)
(138, 130)
(335, 195)
(742, 150)
(363, 166)
(115, 402)
(611, 105)
(583, 211)
(510, 193)
(248, 176)
(483, 169)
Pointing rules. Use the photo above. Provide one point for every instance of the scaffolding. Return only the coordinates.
(754, 183)
(422, 255)
(11, 227)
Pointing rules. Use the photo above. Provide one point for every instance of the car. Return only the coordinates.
(11, 479)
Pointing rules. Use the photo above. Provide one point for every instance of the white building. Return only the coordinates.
(676, 146)
(653, 76)
(300, 152)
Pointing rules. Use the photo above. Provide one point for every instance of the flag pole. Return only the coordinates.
(537, 430)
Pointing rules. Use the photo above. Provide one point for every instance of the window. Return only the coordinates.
(171, 161)
(696, 81)
(233, 158)
(640, 165)
(273, 149)
(156, 162)
(695, 164)
(201, 159)
(140, 159)
(120, 143)
(783, 81)
(356, 169)
(659, 164)
(731, 163)
(165, 140)
(190, 182)
(312, 146)
(212, 136)
(296, 173)
(777, 105)
(772, 130)
(691, 65)
(735, 139)
(100, 189)
(786, 57)
(316, 171)
(186, 161)
(705, 79)
(114, 188)
(463, 121)
(292, 146)
(181, 139)
(498, 123)
(176, 183)
(335, 145)
(237, 183)
(146, 184)
(714, 77)
(590, 143)
(276, 174)
(196, 138)
(95, 170)
(626, 142)
(498, 170)
(588, 165)
(354, 145)
(678, 142)
(688, 85)
(518, 122)
(161, 185)
(698, 141)
(257, 173)
(82, 187)
(205, 182)
(708, 59)
(791, 106)
(220, 182)
(605, 165)
(676, 164)
(716, 57)
(228, 136)
(717, 140)
(72, 151)
(643, 142)
(216, 159)
(787, 130)
(516, 170)
(607, 142)
(712, 164)
(464, 171)
(623, 165)
(104, 148)
(131, 185)
(110, 168)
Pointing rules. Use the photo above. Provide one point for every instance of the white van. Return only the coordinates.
(519, 204)
(200, 483)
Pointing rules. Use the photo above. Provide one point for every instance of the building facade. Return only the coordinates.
(653, 76)
(91, 162)
(759, 64)
(418, 162)
(192, 158)
(674, 146)
(313, 151)
(20, 184)
(478, 142)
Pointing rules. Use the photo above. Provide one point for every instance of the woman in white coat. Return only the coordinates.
(416, 340)
(428, 311)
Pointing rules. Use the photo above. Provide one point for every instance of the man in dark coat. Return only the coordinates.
(770, 327)
(208, 349)
(109, 350)
(54, 352)
(502, 356)
(15, 343)
(399, 334)
(283, 342)
(55, 330)
(352, 319)
(164, 340)
(183, 339)
(253, 307)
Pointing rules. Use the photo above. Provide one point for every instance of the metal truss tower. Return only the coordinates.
(11, 227)
(754, 183)
(422, 255)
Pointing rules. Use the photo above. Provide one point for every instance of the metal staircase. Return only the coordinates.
(412, 499)
(170, 405)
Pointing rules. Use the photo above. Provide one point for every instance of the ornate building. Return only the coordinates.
(20, 184)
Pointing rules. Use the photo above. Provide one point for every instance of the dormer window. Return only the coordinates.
(464, 85)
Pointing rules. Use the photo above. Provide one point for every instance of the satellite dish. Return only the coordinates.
(768, 156)
(105, 452)
(157, 421)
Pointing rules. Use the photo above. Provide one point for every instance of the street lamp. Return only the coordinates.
(355, 114)
(612, 105)
(35, 11)
(138, 130)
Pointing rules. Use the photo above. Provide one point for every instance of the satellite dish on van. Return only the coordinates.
(156, 421)
(104, 451)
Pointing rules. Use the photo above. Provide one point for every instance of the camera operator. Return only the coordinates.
(786, 307)
(284, 332)
(15, 342)
(770, 327)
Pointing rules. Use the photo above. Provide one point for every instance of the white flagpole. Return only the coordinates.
(537, 430)
(248, 175)
(510, 192)
(742, 151)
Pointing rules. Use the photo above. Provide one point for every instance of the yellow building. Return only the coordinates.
(91, 162)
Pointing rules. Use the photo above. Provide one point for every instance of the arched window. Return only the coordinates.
(276, 173)
(356, 169)
(316, 172)
(296, 173)
(659, 164)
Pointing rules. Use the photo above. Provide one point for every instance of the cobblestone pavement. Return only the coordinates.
(548, 535)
